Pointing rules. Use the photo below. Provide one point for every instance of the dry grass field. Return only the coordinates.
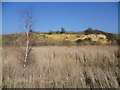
(62, 67)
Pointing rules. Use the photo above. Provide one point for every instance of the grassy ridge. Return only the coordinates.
(68, 38)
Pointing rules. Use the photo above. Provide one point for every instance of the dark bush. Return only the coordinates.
(118, 41)
(79, 42)
(83, 42)
(62, 31)
(89, 31)
(57, 32)
(87, 39)
(50, 32)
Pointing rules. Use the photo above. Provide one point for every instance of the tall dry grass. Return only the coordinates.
(0, 66)
(63, 67)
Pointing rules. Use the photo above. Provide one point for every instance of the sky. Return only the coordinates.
(51, 16)
(0, 18)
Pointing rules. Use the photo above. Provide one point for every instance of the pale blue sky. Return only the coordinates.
(73, 16)
(0, 18)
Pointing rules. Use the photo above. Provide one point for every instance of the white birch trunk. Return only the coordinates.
(27, 47)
